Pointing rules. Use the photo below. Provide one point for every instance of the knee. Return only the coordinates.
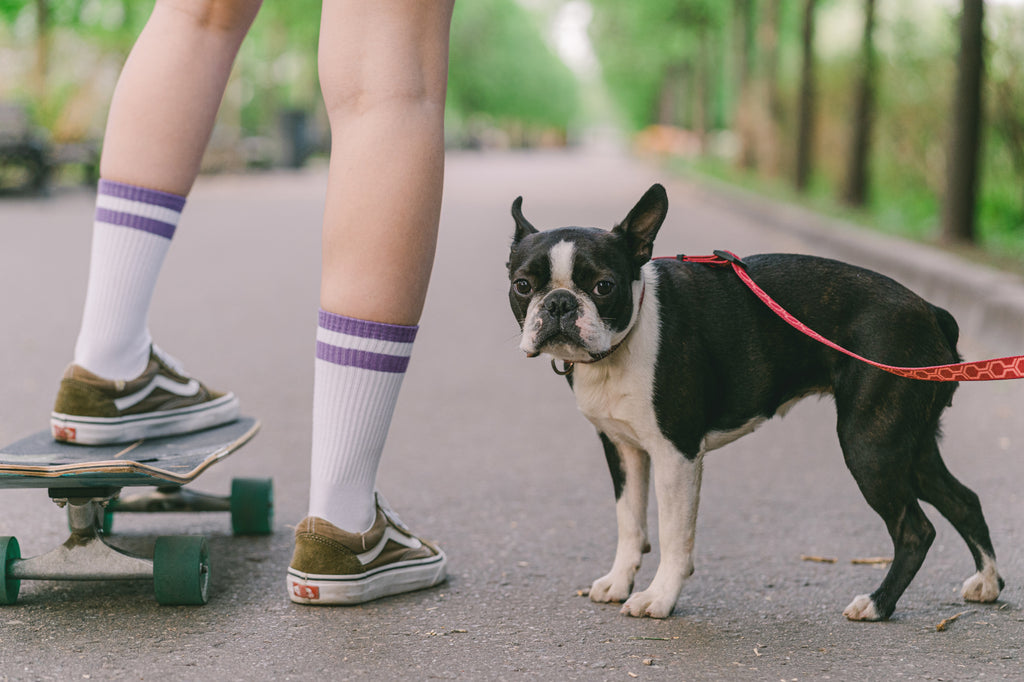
(392, 54)
(224, 16)
(373, 86)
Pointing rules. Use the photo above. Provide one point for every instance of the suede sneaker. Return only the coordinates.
(332, 566)
(162, 401)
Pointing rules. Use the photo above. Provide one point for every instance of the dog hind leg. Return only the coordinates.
(677, 486)
(880, 460)
(961, 507)
(630, 469)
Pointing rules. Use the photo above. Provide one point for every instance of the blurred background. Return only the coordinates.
(906, 115)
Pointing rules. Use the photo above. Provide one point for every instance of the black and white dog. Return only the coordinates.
(670, 360)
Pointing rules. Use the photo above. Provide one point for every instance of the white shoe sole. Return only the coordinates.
(386, 581)
(103, 431)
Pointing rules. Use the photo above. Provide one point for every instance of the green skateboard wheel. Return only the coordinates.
(9, 551)
(252, 506)
(181, 570)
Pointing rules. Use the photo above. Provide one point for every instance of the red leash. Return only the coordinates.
(980, 370)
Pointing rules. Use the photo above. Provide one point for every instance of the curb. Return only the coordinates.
(987, 303)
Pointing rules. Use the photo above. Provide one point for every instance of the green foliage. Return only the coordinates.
(276, 69)
(500, 67)
(639, 42)
(642, 44)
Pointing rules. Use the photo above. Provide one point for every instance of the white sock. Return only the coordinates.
(359, 370)
(131, 235)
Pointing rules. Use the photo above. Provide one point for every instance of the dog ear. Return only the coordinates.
(523, 226)
(643, 222)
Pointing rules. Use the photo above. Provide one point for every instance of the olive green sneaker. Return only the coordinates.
(162, 401)
(332, 566)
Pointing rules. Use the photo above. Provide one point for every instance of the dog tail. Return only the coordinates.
(950, 329)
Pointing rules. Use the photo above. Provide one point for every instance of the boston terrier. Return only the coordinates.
(670, 359)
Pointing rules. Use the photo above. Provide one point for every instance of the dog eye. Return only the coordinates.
(522, 287)
(604, 287)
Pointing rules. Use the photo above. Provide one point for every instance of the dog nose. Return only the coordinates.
(559, 303)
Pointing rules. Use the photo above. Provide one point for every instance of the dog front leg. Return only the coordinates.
(677, 485)
(630, 468)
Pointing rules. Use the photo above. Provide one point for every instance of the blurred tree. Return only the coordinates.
(769, 97)
(959, 205)
(807, 104)
(1005, 76)
(859, 155)
(42, 61)
(662, 60)
(501, 68)
(747, 109)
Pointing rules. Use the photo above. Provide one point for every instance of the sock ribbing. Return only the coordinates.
(359, 370)
(132, 232)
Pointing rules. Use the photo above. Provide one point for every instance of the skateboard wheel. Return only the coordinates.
(181, 570)
(252, 506)
(9, 551)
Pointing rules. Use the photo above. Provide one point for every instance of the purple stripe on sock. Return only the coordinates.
(367, 330)
(347, 357)
(157, 227)
(175, 202)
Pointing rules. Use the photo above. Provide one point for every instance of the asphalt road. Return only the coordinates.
(489, 456)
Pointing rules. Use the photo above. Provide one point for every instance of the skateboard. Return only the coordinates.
(88, 480)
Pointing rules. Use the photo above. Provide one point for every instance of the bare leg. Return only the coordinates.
(383, 71)
(169, 92)
(159, 124)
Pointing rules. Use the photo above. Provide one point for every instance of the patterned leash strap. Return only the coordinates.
(996, 369)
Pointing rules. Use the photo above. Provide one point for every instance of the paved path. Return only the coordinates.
(489, 456)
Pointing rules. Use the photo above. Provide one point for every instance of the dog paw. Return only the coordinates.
(649, 604)
(611, 588)
(983, 586)
(862, 608)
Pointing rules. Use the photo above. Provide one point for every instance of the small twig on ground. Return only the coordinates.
(873, 560)
(945, 623)
(818, 559)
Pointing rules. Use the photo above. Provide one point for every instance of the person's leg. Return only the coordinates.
(383, 71)
(159, 124)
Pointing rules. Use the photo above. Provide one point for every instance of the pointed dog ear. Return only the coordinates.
(643, 222)
(523, 226)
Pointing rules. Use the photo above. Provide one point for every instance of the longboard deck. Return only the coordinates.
(38, 461)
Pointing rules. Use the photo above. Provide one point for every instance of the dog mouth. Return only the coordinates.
(564, 344)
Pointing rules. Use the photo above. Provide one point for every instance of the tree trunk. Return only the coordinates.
(965, 139)
(743, 32)
(858, 171)
(770, 102)
(42, 62)
(808, 96)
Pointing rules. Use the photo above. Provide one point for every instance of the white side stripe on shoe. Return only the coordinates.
(183, 390)
(389, 534)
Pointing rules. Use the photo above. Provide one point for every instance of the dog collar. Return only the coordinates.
(567, 365)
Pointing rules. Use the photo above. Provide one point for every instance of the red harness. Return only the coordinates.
(980, 370)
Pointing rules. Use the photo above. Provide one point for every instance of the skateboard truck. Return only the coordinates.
(179, 569)
(250, 504)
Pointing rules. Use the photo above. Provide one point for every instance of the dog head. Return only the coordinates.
(576, 291)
